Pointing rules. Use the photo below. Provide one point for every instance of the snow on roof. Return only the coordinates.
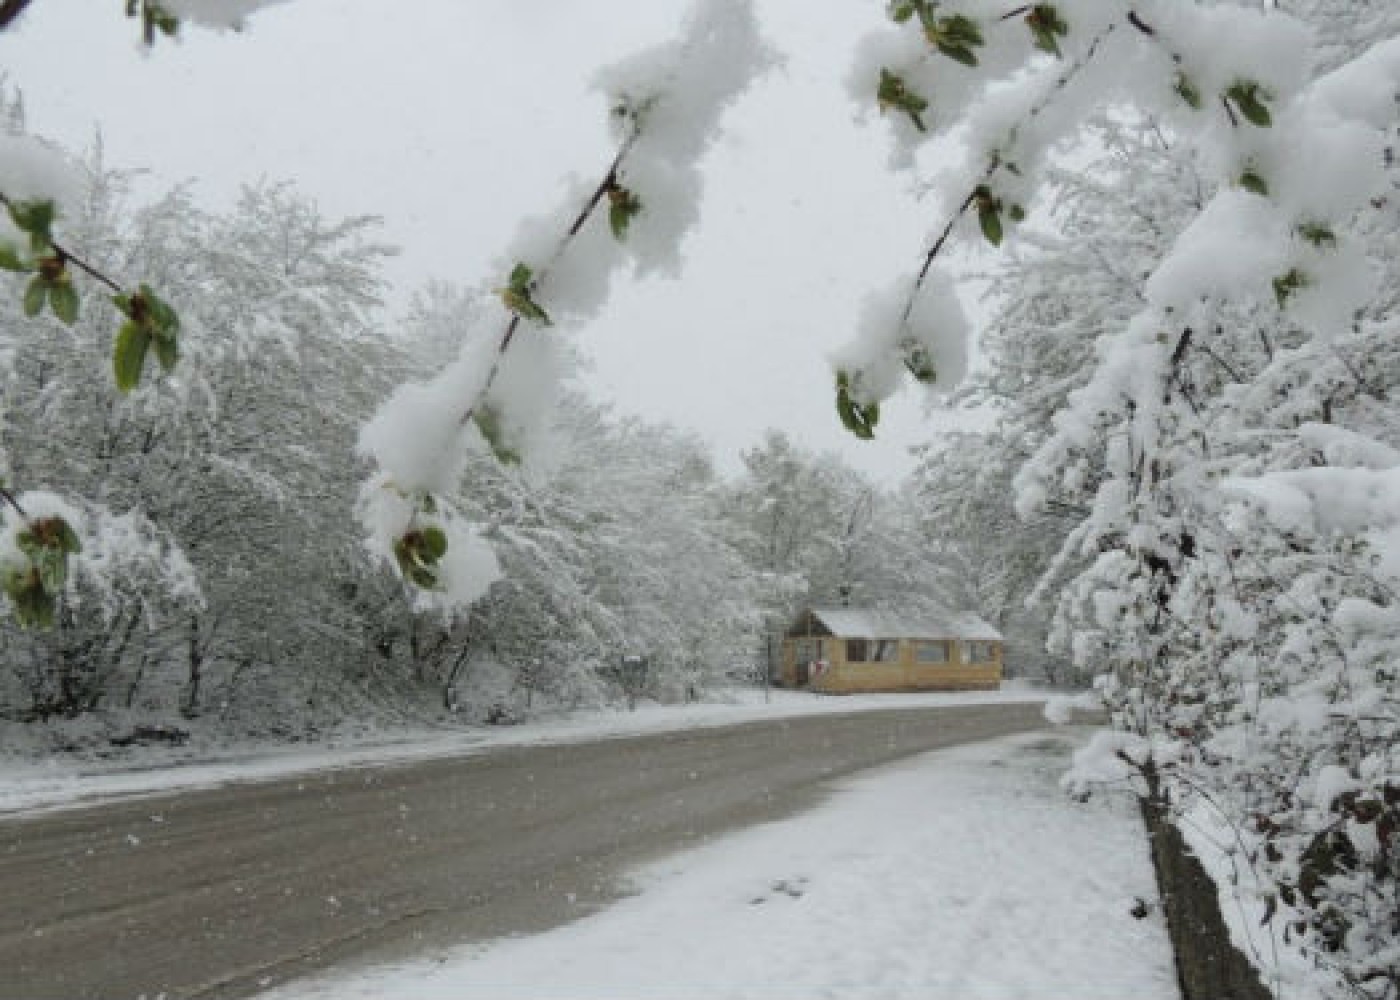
(864, 623)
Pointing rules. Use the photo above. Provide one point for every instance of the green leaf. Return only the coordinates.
(36, 218)
(34, 606)
(1286, 285)
(1187, 91)
(988, 214)
(63, 299)
(961, 30)
(161, 318)
(958, 53)
(517, 296)
(1318, 234)
(1248, 97)
(623, 207)
(955, 37)
(1252, 180)
(53, 569)
(417, 554)
(1016, 213)
(68, 538)
(435, 542)
(35, 296)
(46, 543)
(859, 419)
(489, 423)
(919, 361)
(1047, 27)
(990, 220)
(894, 93)
(129, 355)
(901, 11)
(522, 305)
(167, 352)
(10, 260)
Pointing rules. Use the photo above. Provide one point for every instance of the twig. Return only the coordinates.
(1060, 84)
(9, 498)
(68, 256)
(10, 10)
(607, 184)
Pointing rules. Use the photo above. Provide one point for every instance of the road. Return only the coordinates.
(221, 892)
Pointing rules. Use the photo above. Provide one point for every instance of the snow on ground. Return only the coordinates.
(962, 873)
(59, 782)
(1241, 894)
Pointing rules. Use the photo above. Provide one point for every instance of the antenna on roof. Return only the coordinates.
(845, 591)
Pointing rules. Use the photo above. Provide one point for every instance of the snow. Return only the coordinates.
(1241, 895)
(58, 783)
(868, 624)
(961, 873)
(221, 14)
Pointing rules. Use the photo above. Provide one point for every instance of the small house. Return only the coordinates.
(848, 650)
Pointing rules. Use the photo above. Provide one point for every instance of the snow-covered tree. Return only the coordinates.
(1224, 443)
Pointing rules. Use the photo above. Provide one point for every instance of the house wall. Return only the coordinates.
(901, 674)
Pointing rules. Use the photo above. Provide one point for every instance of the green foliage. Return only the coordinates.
(33, 589)
(10, 260)
(129, 356)
(859, 418)
(1187, 91)
(418, 554)
(1285, 285)
(956, 36)
(1319, 235)
(150, 321)
(155, 19)
(1248, 99)
(1252, 180)
(1047, 28)
(919, 361)
(34, 297)
(518, 296)
(488, 421)
(52, 286)
(901, 11)
(63, 300)
(623, 207)
(894, 93)
(988, 214)
(35, 218)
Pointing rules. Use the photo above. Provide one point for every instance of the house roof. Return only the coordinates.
(865, 623)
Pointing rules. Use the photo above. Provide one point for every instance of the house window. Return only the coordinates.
(979, 652)
(872, 650)
(931, 652)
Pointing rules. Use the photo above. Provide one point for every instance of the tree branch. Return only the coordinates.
(10, 10)
(68, 256)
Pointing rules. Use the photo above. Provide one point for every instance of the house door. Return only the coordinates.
(808, 651)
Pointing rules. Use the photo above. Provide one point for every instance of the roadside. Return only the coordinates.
(66, 782)
(960, 873)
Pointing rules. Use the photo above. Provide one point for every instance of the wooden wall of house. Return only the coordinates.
(901, 674)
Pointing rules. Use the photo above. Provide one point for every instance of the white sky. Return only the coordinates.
(453, 119)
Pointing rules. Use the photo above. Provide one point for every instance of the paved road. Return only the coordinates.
(218, 893)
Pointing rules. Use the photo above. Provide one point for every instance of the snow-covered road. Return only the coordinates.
(964, 873)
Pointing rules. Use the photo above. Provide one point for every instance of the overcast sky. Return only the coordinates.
(452, 119)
